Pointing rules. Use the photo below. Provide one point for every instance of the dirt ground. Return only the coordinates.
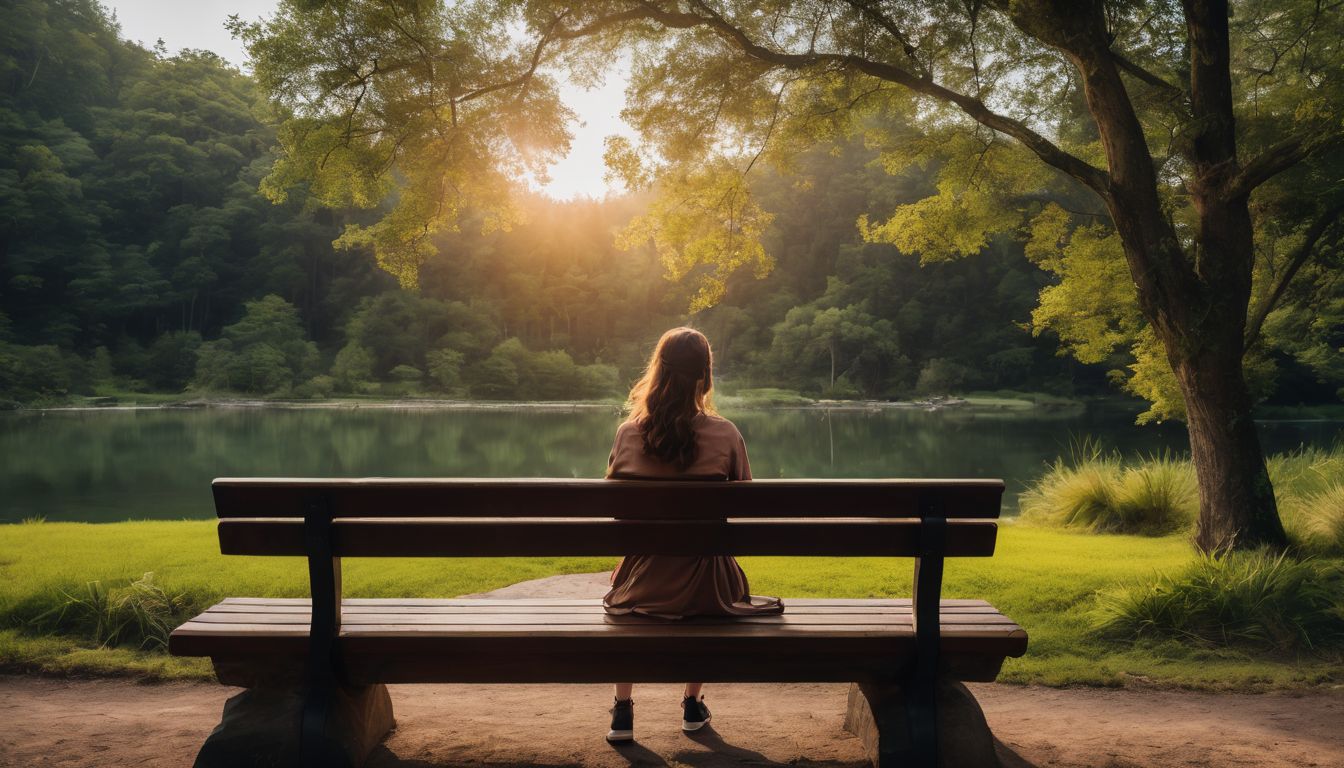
(46, 722)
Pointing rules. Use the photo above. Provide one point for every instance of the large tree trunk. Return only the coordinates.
(1236, 500)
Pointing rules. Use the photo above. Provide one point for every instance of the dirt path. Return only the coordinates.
(47, 722)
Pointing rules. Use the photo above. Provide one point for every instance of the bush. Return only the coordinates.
(33, 373)
(1098, 493)
(1255, 600)
(513, 372)
(316, 387)
(445, 369)
(172, 360)
(353, 368)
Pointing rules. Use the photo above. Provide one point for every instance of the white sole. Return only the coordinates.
(689, 726)
(615, 736)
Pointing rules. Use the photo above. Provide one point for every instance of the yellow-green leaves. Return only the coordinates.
(980, 193)
(1093, 307)
(705, 226)
(419, 109)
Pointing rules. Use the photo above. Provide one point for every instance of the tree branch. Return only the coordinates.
(1278, 158)
(1094, 178)
(1128, 66)
(1296, 261)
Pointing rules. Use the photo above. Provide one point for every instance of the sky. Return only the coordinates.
(200, 24)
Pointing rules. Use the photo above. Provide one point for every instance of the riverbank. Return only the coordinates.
(1047, 580)
(745, 399)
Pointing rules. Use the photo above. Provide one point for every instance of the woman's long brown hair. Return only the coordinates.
(675, 386)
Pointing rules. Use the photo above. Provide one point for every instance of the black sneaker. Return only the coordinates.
(622, 721)
(694, 714)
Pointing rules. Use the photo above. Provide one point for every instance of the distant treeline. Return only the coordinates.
(136, 254)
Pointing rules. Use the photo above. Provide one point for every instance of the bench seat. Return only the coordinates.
(573, 640)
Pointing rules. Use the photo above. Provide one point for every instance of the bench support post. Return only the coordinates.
(921, 698)
(321, 677)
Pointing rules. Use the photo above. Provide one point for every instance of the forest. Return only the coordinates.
(140, 253)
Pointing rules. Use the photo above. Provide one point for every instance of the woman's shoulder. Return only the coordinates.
(716, 423)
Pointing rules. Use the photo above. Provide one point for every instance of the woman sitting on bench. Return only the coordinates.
(674, 433)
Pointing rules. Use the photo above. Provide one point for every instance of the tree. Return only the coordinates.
(264, 352)
(1184, 116)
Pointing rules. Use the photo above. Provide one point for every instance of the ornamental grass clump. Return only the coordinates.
(141, 614)
(1253, 600)
(1096, 492)
(1315, 521)
(1309, 484)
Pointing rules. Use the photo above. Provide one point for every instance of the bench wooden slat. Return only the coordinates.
(201, 639)
(430, 610)
(579, 601)
(488, 497)
(551, 619)
(501, 537)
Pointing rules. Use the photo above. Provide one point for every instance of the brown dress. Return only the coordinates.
(674, 587)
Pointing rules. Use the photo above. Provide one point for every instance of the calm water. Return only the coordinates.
(119, 465)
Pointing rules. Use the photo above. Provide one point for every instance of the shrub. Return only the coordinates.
(445, 369)
(33, 373)
(405, 374)
(316, 387)
(1255, 600)
(172, 360)
(1098, 493)
(353, 368)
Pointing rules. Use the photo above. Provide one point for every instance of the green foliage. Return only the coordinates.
(33, 373)
(453, 144)
(1256, 600)
(353, 368)
(172, 360)
(264, 352)
(445, 369)
(513, 372)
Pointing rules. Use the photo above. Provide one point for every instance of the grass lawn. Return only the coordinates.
(1045, 579)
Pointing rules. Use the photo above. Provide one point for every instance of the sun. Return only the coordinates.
(580, 174)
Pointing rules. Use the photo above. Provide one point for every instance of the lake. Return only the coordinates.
(107, 464)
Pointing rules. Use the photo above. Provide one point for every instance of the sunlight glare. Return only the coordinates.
(582, 172)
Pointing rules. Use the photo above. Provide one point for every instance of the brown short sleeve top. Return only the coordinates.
(721, 454)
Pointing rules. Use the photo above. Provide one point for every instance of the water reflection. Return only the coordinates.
(118, 465)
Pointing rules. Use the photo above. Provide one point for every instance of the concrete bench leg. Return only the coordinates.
(261, 727)
(877, 715)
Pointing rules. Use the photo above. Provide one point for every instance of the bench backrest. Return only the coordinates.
(526, 517)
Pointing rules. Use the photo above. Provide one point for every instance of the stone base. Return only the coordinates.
(964, 739)
(260, 727)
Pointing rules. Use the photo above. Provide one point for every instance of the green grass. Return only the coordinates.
(1046, 579)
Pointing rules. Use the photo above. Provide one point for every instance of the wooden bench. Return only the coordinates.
(316, 669)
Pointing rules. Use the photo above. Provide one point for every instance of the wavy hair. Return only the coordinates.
(676, 385)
